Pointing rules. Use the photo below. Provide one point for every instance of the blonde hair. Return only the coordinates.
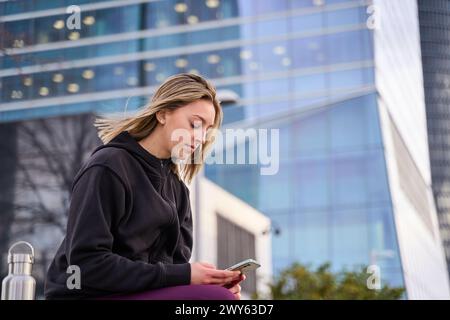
(177, 91)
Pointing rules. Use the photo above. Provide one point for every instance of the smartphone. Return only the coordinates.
(244, 266)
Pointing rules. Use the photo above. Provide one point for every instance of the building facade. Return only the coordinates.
(434, 31)
(354, 184)
(340, 79)
(227, 230)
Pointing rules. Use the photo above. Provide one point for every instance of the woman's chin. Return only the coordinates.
(183, 155)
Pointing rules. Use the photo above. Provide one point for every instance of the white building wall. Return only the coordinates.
(207, 199)
(399, 83)
(398, 77)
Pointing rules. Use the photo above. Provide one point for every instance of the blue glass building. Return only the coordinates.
(318, 70)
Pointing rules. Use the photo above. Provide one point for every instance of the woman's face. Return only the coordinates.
(185, 128)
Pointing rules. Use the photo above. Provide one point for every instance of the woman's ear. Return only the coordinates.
(161, 116)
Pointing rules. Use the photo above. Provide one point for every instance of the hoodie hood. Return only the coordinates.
(125, 141)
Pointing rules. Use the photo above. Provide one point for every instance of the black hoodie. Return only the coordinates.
(129, 227)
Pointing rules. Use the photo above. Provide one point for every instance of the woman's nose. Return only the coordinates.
(200, 137)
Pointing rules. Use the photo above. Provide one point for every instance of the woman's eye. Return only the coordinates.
(194, 126)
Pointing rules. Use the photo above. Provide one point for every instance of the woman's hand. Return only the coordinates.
(234, 286)
(206, 273)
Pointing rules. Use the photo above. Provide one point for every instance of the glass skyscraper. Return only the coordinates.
(354, 184)
(435, 34)
(340, 79)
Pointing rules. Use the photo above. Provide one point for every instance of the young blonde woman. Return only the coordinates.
(129, 231)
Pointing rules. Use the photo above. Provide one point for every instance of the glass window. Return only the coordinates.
(271, 27)
(113, 48)
(312, 237)
(274, 56)
(46, 29)
(215, 64)
(373, 130)
(17, 34)
(309, 102)
(110, 77)
(377, 184)
(367, 41)
(275, 190)
(312, 178)
(270, 6)
(281, 242)
(348, 125)
(383, 239)
(330, 2)
(275, 87)
(21, 6)
(229, 63)
(346, 79)
(307, 22)
(311, 134)
(308, 52)
(304, 3)
(213, 35)
(234, 113)
(116, 20)
(161, 14)
(355, 124)
(346, 47)
(309, 84)
(165, 42)
(200, 12)
(230, 8)
(13, 89)
(350, 238)
(232, 179)
(348, 181)
(352, 16)
(369, 76)
(258, 110)
(286, 139)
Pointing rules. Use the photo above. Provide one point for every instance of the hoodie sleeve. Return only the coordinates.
(183, 251)
(98, 201)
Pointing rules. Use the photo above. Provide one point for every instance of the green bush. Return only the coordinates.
(300, 282)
